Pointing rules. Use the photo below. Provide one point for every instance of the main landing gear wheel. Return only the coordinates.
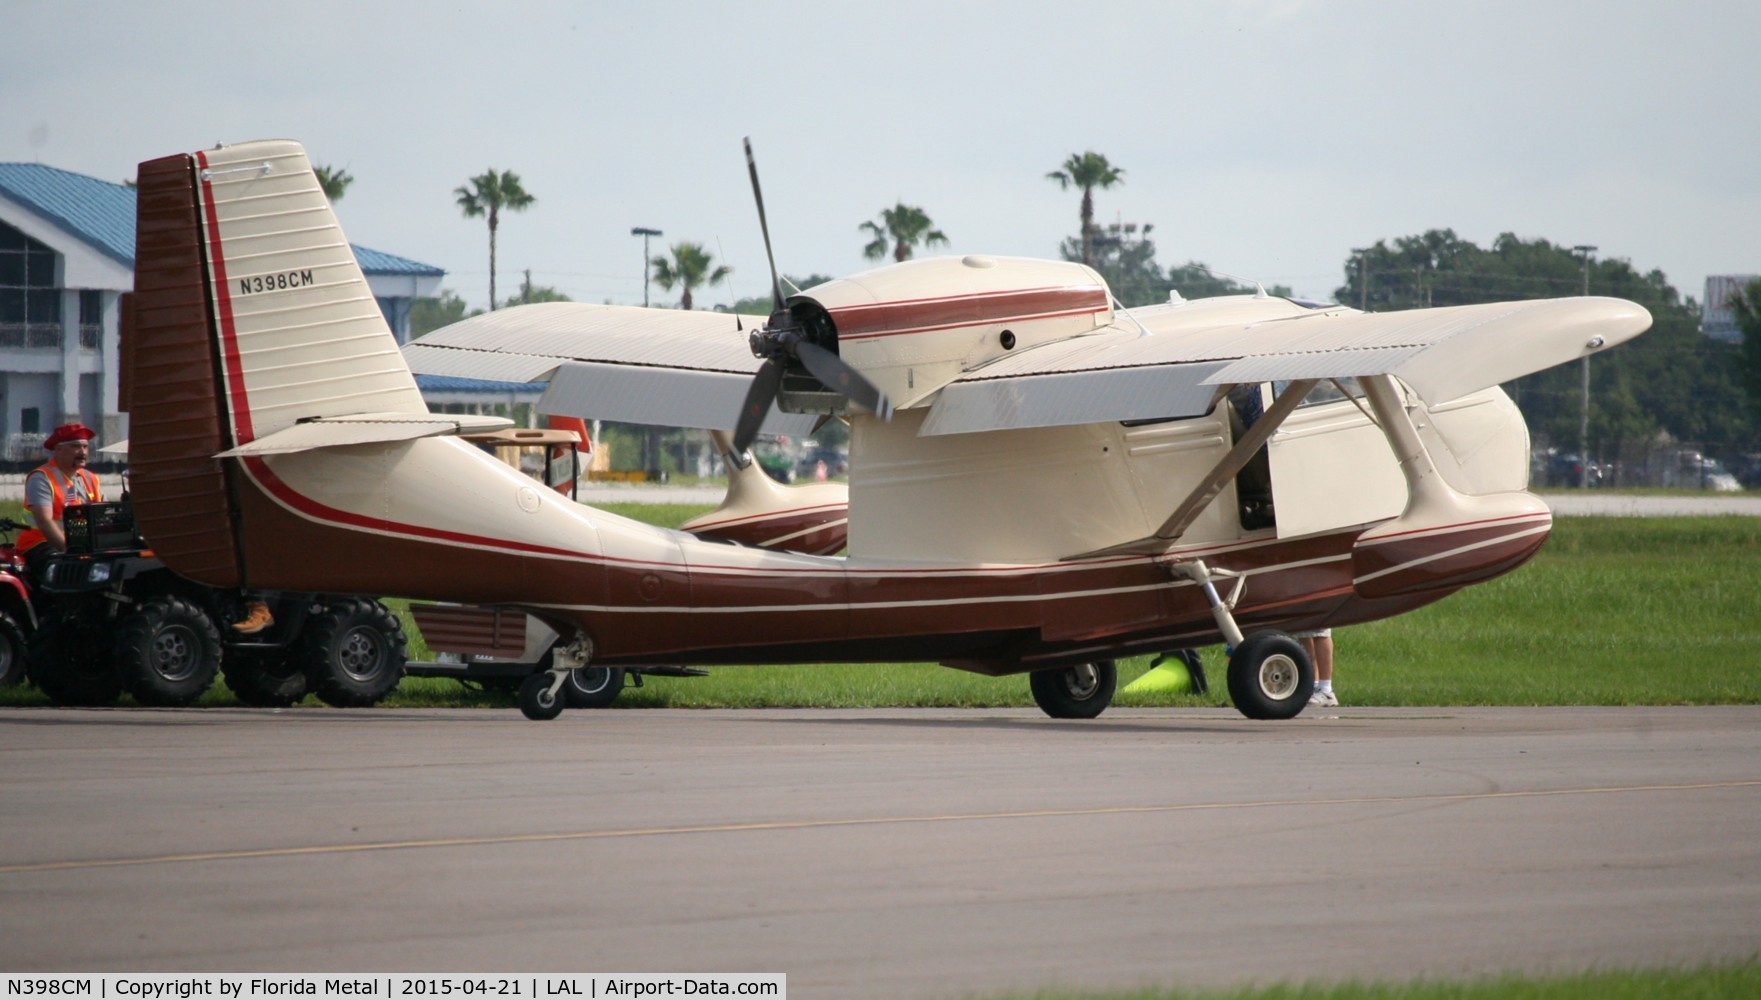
(1079, 692)
(1270, 676)
(593, 687)
(540, 697)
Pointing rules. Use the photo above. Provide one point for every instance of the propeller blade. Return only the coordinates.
(838, 376)
(757, 406)
(776, 284)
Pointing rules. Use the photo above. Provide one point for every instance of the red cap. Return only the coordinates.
(66, 433)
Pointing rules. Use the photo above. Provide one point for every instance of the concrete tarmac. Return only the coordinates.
(882, 853)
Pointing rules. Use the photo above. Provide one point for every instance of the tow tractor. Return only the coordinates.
(109, 617)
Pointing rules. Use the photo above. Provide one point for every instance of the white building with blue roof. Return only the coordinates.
(67, 245)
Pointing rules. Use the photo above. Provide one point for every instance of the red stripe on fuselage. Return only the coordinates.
(888, 319)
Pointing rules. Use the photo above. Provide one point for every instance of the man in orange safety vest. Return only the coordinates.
(61, 482)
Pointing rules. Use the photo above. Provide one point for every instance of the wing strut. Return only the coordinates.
(1207, 488)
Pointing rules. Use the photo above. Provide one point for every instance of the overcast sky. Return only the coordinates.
(1263, 137)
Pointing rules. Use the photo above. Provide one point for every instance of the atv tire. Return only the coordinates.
(353, 653)
(72, 665)
(167, 652)
(12, 651)
(264, 679)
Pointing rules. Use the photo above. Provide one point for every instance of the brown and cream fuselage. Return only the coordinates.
(252, 327)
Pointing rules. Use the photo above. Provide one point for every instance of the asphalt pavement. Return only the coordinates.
(882, 853)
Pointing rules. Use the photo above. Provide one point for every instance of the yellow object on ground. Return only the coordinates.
(1167, 675)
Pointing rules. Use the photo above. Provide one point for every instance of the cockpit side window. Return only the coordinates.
(1325, 391)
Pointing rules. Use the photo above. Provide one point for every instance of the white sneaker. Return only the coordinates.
(1325, 699)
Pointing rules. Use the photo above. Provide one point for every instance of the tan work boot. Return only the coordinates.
(256, 621)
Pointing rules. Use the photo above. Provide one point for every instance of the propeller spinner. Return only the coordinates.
(784, 339)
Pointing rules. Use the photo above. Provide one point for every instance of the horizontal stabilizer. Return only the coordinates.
(364, 428)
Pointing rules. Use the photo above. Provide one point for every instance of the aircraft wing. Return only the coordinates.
(1169, 362)
(670, 367)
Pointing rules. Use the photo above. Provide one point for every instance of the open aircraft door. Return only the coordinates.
(1331, 466)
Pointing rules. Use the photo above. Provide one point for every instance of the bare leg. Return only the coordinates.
(1321, 652)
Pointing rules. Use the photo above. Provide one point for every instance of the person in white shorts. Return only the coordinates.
(1319, 644)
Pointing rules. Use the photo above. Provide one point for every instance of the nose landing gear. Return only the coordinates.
(541, 695)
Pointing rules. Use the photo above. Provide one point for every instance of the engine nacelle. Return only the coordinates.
(913, 327)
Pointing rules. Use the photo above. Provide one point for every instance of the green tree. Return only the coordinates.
(1746, 303)
(334, 180)
(489, 194)
(1087, 171)
(428, 315)
(760, 305)
(901, 228)
(1671, 379)
(690, 267)
(531, 294)
(1125, 256)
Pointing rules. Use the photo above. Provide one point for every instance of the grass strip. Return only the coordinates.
(1706, 982)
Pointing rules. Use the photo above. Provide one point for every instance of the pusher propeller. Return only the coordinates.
(784, 340)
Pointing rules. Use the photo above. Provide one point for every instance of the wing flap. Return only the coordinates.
(669, 397)
(1064, 398)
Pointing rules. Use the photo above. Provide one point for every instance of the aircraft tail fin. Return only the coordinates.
(250, 315)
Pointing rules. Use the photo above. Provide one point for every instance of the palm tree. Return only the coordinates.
(333, 180)
(689, 268)
(1088, 171)
(488, 195)
(901, 227)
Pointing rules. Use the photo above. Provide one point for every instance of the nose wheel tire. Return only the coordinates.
(1270, 676)
(1082, 691)
(538, 700)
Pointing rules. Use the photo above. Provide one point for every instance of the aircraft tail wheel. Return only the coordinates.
(1079, 692)
(1270, 676)
(541, 697)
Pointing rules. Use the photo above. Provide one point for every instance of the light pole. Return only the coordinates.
(1363, 278)
(644, 232)
(1584, 250)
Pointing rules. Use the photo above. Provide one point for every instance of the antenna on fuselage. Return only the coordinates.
(1119, 307)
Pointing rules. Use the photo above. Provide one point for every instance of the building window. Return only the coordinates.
(30, 420)
(30, 304)
(91, 318)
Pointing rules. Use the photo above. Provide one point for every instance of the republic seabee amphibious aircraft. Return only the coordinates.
(1041, 482)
